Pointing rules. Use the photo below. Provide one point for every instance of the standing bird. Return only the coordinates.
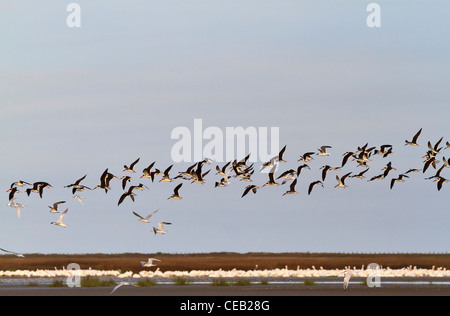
(348, 276)
(59, 222)
(414, 141)
(176, 194)
(131, 167)
(312, 185)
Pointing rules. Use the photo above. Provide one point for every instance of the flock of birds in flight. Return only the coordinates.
(241, 169)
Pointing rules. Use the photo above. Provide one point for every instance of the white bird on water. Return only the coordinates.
(118, 286)
(149, 264)
(348, 276)
(59, 222)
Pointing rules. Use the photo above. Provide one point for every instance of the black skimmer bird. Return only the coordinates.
(325, 170)
(388, 169)
(447, 162)
(176, 193)
(54, 208)
(280, 155)
(38, 187)
(314, 184)
(300, 169)
(438, 174)
(388, 153)
(270, 164)
(347, 157)
(341, 181)
(412, 171)
(125, 180)
(20, 184)
(415, 139)
(198, 176)
(160, 229)
(361, 175)
(80, 188)
(447, 145)
(187, 175)
(431, 162)
(147, 171)
(307, 157)
(435, 150)
(382, 150)
(146, 219)
(249, 188)
(323, 151)
(271, 181)
(59, 222)
(379, 177)
(12, 192)
(292, 188)
(399, 179)
(222, 171)
(441, 182)
(127, 194)
(131, 167)
(288, 176)
(166, 176)
(105, 181)
(223, 182)
(77, 183)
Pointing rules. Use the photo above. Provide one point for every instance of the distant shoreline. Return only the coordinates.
(224, 260)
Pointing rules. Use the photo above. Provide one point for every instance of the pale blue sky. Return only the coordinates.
(78, 101)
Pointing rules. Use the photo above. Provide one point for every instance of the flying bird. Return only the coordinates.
(312, 185)
(160, 229)
(341, 181)
(146, 219)
(415, 139)
(59, 222)
(131, 167)
(249, 188)
(54, 208)
(292, 188)
(176, 194)
(149, 263)
(323, 151)
(166, 176)
(399, 179)
(19, 255)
